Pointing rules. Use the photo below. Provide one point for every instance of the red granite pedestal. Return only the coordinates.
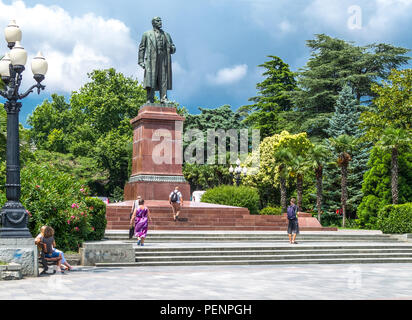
(157, 154)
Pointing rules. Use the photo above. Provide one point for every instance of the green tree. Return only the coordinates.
(96, 119)
(317, 159)
(271, 107)
(392, 140)
(276, 154)
(343, 146)
(345, 121)
(204, 176)
(377, 183)
(333, 63)
(392, 106)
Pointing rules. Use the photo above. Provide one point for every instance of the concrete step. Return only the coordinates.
(252, 238)
(285, 247)
(233, 252)
(171, 259)
(260, 262)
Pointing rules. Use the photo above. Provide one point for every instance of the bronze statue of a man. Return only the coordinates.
(155, 52)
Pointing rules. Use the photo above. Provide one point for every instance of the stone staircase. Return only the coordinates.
(203, 249)
(206, 217)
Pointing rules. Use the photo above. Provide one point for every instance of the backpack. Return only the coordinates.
(174, 197)
(291, 212)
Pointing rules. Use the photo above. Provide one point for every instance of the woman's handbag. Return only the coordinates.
(131, 230)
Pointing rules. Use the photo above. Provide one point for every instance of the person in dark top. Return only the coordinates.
(293, 227)
(49, 247)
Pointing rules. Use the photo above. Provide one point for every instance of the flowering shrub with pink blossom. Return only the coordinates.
(61, 201)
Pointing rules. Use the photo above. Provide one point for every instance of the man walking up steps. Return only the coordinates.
(176, 200)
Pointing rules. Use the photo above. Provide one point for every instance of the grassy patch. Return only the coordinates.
(2, 263)
(71, 253)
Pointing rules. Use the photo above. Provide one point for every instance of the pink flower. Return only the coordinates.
(73, 217)
(93, 228)
(28, 212)
(82, 213)
(75, 206)
(68, 221)
(37, 187)
(77, 229)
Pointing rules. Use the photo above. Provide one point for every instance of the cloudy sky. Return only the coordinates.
(219, 43)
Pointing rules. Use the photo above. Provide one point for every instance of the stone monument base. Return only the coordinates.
(22, 251)
(156, 189)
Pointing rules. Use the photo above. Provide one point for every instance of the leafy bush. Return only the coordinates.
(59, 200)
(377, 185)
(244, 197)
(395, 218)
(331, 219)
(98, 218)
(276, 211)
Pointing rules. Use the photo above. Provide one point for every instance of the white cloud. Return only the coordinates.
(380, 19)
(72, 45)
(228, 75)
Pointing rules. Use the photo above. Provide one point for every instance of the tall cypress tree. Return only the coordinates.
(272, 106)
(345, 121)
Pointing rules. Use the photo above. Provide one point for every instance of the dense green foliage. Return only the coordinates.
(97, 218)
(202, 176)
(345, 121)
(333, 63)
(392, 105)
(244, 197)
(271, 109)
(94, 124)
(395, 218)
(61, 201)
(377, 184)
(275, 211)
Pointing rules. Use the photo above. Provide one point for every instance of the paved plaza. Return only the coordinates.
(300, 282)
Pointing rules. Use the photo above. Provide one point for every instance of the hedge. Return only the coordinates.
(395, 218)
(242, 196)
(275, 211)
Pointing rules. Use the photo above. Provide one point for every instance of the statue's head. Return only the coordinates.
(157, 22)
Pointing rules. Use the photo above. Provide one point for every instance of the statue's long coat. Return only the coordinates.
(148, 55)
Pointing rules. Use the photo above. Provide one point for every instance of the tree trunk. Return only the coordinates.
(319, 190)
(299, 185)
(344, 196)
(395, 176)
(283, 194)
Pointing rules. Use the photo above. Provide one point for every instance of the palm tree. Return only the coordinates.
(283, 158)
(393, 139)
(344, 145)
(299, 165)
(318, 156)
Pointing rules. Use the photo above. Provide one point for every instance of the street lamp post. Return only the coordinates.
(238, 171)
(14, 216)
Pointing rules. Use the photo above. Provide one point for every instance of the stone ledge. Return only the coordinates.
(106, 251)
(21, 251)
(12, 271)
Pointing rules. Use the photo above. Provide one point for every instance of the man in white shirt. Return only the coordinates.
(176, 200)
